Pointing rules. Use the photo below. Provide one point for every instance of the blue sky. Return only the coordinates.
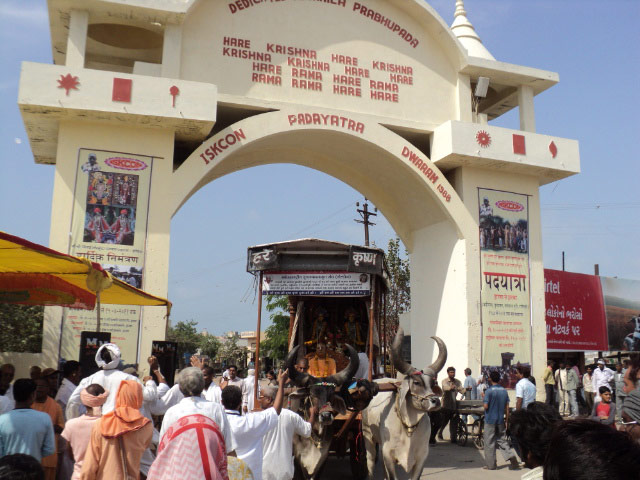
(594, 217)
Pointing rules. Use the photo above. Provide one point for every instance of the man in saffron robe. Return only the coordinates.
(119, 438)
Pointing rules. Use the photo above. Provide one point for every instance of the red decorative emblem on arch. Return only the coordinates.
(483, 139)
(68, 82)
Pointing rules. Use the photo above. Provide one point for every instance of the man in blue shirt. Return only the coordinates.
(470, 385)
(24, 430)
(525, 390)
(496, 407)
(471, 391)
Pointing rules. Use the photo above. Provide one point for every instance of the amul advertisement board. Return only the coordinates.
(504, 263)
(109, 226)
(574, 311)
(622, 308)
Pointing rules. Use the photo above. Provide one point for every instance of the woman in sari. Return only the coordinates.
(176, 458)
(119, 438)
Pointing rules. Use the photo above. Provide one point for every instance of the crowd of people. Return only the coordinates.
(111, 425)
(554, 439)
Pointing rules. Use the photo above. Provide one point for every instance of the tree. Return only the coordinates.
(209, 346)
(275, 345)
(186, 336)
(21, 328)
(399, 295)
(232, 353)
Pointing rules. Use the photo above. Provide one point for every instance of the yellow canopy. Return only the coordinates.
(19, 256)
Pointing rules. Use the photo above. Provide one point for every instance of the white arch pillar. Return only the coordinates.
(438, 230)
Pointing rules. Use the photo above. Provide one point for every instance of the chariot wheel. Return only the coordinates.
(462, 433)
(358, 457)
(478, 440)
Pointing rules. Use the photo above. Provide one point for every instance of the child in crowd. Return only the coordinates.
(604, 411)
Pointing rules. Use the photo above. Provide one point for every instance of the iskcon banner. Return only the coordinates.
(109, 226)
(504, 263)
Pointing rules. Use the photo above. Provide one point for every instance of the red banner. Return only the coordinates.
(574, 311)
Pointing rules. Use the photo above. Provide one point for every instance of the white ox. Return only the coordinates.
(399, 421)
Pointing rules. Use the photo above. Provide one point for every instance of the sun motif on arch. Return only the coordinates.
(483, 139)
(68, 82)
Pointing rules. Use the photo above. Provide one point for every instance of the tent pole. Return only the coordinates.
(257, 362)
(371, 314)
(384, 335)
(98, 311)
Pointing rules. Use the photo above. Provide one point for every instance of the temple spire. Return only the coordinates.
(463, 29)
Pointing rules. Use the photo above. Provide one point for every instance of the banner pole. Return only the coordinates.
(98, 311)
(257, 362)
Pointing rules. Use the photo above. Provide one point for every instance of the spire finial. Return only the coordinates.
(460, 9)
(463, 29)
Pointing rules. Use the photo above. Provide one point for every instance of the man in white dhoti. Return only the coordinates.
(191, 384)
(248, 394)
(231, 378)
(277, 455)
(212, 392)
(601, 377)
(249, 430)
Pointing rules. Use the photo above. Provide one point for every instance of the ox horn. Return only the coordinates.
(347, 372)
(396, 355)
(300, 379)
(442, 356)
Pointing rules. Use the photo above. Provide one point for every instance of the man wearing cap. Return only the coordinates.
(601, 378)
(109, 377)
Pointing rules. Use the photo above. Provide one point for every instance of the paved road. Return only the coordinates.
(446, 462)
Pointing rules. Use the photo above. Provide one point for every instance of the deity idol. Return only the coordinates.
(122, 225)
(98, 226)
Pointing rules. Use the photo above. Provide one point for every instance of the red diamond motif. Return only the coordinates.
(553, 149)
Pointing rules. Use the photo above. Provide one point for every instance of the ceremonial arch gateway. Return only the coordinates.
(147, 102)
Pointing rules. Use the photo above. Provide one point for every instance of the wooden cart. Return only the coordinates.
(336, 295)
(476, 429)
